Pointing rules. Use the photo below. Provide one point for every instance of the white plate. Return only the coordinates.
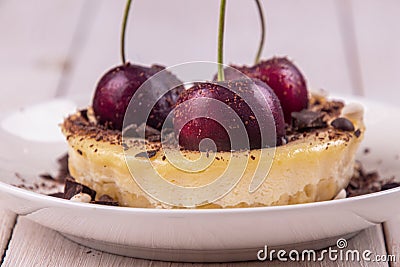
(192, 235)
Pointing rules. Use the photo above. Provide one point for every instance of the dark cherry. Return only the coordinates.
(116, 88)
(283, 77)
(192, 130)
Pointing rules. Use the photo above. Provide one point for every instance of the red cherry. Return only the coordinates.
(283, 77)
(287, 82)
(116, 88)
(192, 130)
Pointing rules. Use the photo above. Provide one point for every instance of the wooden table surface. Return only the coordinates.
(58, 48)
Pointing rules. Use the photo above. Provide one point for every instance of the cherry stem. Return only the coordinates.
(262, 39)
(221, 40)
(124, 22)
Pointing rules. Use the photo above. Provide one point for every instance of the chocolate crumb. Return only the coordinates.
(145, 154)
(357, 133)
(364, 182)
(150, 131)
(307, 119)
(19, 176)
(79, 151)
(390, 186)
(84, 115)
(343, 124)
(57, 195)
(72, 188)
(47, 176)
(125, 146)
(252, 157)
(154, 138)
(366, 151)
(164, 157)
(63, 171)
(106, 200)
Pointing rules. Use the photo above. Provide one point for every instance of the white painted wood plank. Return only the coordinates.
(35, 38)
(34, 245)
(378, 37)
(392, 238)
(170, 32)
(7, 222)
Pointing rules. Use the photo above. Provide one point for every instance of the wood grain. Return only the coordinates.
(392, 238)
(378, 38)
(34, 46)
(7, 222)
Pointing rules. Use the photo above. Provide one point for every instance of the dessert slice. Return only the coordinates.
(315, 164)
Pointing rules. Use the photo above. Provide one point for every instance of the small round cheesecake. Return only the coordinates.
(315, 163)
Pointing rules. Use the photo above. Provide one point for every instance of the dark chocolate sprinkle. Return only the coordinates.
(72, 188)
(57, 195)
(343, 124)
(149, 154)
(357, 133)
(47, 176)
(83, 114)
(125, 146)
(306, 120)
(63, 170)
(151, 131)
(106, 200)
(390, 186)
(154, 138)
(364, 182)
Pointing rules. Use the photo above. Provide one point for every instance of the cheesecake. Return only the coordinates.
(315, 162)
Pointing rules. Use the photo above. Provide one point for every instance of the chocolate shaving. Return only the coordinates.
(151, 131)
(63, 171)
(390, 186)
(153, 138)
(72, 188)
(57, 195)
(106, 200)
(307, 120)
(145, 154)
(47, 176)
(84, 114)
(368, 182)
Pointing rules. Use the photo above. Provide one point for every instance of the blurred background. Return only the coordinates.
(53, 48)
